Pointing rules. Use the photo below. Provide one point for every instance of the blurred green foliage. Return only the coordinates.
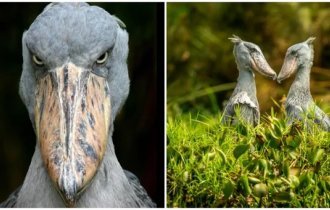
(200, 65)
(271, 165)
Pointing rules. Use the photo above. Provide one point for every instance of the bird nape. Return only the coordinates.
(74, 82)
(299, 103)
(243, 104)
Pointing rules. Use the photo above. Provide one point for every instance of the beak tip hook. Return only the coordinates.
(274, 77)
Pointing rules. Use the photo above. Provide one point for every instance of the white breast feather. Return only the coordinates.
(243, 98)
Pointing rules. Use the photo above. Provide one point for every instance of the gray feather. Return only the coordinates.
(11, 200)
(138, 189)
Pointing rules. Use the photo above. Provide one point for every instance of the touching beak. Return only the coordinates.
(72, 115)
(288, 68)
(260, 64)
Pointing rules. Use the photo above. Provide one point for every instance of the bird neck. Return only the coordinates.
(109, 187)
(246, 82)
(301, 83)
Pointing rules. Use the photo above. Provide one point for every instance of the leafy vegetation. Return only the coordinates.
(271, 165)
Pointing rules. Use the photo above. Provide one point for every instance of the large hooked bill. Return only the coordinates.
(260, 64)
(289, 66)
(72, 115)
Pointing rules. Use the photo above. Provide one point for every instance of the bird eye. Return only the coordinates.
(293, 53)
(37, 60)
(254, 50)
(102, 58)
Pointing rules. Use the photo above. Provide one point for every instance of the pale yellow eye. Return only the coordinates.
(102, 58)
(37, 60)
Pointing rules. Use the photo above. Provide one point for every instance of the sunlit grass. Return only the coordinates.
(271, 165)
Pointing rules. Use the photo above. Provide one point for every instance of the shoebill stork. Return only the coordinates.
(299, 102)
(74, 82)
(248, 58)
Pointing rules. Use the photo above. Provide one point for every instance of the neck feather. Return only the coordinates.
(246, 82)
(301, 82)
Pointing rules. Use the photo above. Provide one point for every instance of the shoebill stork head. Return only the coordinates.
(249, 57)
(73, 83)
(297, 56)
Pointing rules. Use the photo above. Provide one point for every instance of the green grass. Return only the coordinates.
(271, 165)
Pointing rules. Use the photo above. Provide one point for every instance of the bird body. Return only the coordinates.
(74, 82)
(299, 103)
(243, 103)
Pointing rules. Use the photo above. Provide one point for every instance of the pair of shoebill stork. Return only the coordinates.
(299, 102)
(74, 82)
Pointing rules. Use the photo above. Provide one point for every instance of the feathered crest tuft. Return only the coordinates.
(235, 39)
(120, 22)
(310, 40)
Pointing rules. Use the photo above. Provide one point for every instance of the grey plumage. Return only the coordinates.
(134, 182)
(11, 200)
(299, 104)
(76, 33)
(248, 57)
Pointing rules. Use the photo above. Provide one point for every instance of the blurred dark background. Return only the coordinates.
(139, 128)
(201, 69)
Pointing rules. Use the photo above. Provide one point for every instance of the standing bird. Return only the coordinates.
(74, 82)
(299, 102)
(248, 57)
